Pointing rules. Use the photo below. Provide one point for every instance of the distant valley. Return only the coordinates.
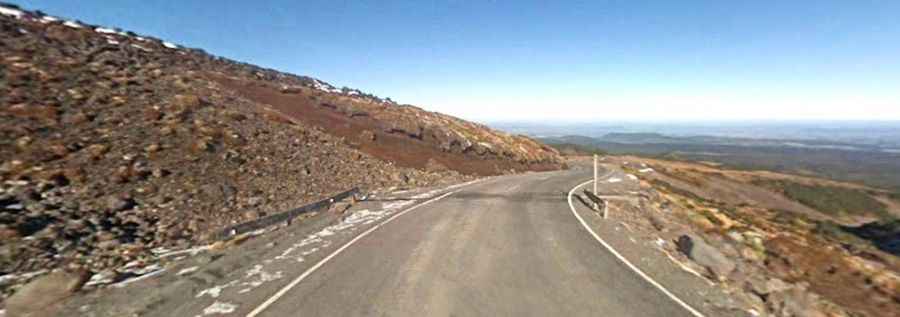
(869, 161)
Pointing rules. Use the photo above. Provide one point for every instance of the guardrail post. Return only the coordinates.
(605, 208)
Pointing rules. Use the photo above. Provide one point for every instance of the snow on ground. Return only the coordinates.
(141, 48)
(614, 180)
(11, 12)
(187, 270)
(219, 308)
(73, 24)
(312, 243)
(646, 170)
(139, 278)
(105, 30)
(4, 279)
(256, 277)
(162, 252)
(169, 45)
(323, 86)
(215, 291)
(48, 19)
(631, 177)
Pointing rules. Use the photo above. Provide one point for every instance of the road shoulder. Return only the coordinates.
(634, 238)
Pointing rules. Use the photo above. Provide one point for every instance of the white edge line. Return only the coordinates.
(622, 258)
(312, 269)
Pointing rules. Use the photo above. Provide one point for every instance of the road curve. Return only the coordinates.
(510, 246)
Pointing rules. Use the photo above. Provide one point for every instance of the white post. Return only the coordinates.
(596, 193)
(605, 208)
(596, 173)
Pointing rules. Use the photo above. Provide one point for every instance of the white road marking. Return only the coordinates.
(622, 258)
(312, 269)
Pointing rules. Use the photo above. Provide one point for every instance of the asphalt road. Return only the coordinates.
(507, 246)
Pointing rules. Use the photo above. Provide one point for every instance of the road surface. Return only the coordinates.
(506, 247)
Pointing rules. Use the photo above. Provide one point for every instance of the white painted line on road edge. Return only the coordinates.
(312, 269)
(624, 260)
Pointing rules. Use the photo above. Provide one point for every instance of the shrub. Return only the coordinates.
(830, 200)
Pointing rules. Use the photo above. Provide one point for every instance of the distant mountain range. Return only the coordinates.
(866, 163)
(658, 138)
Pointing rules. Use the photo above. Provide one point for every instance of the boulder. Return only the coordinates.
(718, 265)
(794, 302)
(765, 286)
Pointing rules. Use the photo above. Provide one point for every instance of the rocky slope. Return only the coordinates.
(783, 257)
(113, 145)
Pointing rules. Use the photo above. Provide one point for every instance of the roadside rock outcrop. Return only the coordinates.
(716, 263)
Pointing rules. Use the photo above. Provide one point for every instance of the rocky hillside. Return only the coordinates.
(776, 250)
(113, 145)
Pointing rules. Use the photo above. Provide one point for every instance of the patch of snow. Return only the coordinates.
(139, 278)
(646, 170)
(397, 204)
(33, 274)
(6, 278)
(73, 24)
(614, 180)
(140, 38)
(141, 48)
(660, 242)
(258, 277)
(169, 45)
(100, 278)
(310, 251)
(323, 86)
(215, 291)
(11, 12)
(48, 19)
(187, 270)
(219, 308)
(631, 177)
(111, 41)
(286, 252)
(162, 252)
(147, 269)
(105, 31)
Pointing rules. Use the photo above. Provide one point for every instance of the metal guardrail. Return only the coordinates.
(595, 199)
(281, 217)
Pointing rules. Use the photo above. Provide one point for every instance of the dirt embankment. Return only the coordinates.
(405, 135)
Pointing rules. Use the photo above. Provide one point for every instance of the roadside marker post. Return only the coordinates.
(596, 181)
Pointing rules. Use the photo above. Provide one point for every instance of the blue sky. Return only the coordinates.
(547, 60)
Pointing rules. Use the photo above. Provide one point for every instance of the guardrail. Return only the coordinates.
(598, 202)
(281, 217)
